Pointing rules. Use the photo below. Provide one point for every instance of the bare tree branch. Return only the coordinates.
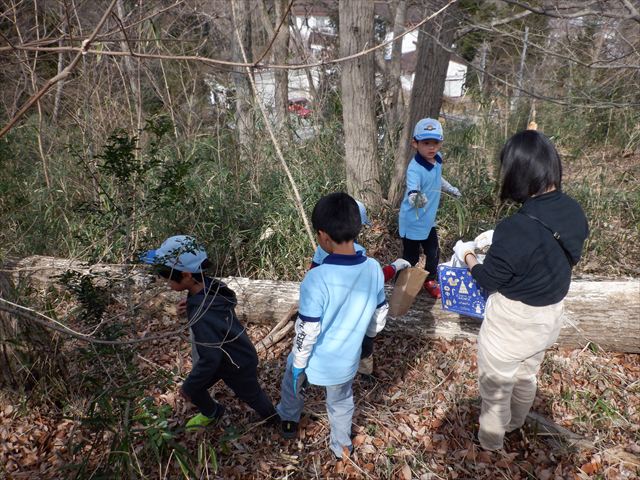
(635, 15)
(532, 94)
(62, 75)
(471, 28)
(273, 33)
(212, 61)
(555, 11)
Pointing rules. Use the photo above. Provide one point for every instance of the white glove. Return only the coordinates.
(485, 239)
(417, 199)
(450, 189)
(400, 264)
(461, 249)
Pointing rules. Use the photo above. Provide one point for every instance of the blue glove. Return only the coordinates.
(299, 379)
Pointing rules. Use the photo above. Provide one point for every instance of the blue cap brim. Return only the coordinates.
(149, 257)
(428, 137)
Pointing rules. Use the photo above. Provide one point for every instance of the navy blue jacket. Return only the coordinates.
(220, 339)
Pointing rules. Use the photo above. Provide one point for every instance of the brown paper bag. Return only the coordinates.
(408, 284)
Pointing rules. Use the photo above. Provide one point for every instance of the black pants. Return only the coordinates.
(411, 252)
(244, 383)
(367, 347)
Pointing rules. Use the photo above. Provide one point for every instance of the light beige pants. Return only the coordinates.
(511, 346)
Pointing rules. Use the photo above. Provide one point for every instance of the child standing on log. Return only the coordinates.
(221, 349)
(341, 300)
(528, 269)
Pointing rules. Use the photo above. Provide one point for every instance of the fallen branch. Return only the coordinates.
(279, 331)
(552, 432)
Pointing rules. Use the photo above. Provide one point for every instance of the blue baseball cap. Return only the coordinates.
(363, 213)
(180, 252)
(428, 128)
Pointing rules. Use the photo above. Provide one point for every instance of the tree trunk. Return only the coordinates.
(517, 94)
(279, 51)
(427, 91)
(394, 107)
(132, 74)
(606, 313)
(358, 101)
(305, 57)
(243, 95)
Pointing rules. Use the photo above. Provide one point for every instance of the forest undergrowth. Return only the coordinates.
(114, 412)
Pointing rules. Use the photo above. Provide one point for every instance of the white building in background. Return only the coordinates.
(456, 78)
(314, 28)
(456, 71)
(299, 87)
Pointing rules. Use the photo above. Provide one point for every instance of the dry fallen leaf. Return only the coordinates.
(358, 440)
(591, 467)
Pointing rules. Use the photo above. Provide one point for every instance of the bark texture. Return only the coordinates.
(358, 101)
(27, 350)
(606, 313)
(243, 95)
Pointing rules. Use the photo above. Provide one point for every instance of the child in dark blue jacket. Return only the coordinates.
(221, 349)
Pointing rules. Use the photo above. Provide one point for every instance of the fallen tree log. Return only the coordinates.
(604, 313)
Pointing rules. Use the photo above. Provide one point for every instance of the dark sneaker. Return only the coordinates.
(366, 365)
(289, 429)
(273, 420)
(432, 288)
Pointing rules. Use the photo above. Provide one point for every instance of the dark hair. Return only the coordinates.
(176, 275)
(338, 215)
(529, 165)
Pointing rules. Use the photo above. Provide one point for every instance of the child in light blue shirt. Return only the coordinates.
(419, 206)
(389, 272)
(341, 301)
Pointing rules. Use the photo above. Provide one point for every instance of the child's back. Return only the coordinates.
(343, 293)
(340, 301)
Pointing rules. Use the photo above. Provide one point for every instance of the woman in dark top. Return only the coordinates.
(528, 271)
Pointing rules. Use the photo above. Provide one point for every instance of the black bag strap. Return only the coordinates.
(555, 234)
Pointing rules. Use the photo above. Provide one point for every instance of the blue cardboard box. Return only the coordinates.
(459, 291)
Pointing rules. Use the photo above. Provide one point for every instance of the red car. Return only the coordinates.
(299, 107)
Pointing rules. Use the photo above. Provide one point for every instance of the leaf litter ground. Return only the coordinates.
(416, 418)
